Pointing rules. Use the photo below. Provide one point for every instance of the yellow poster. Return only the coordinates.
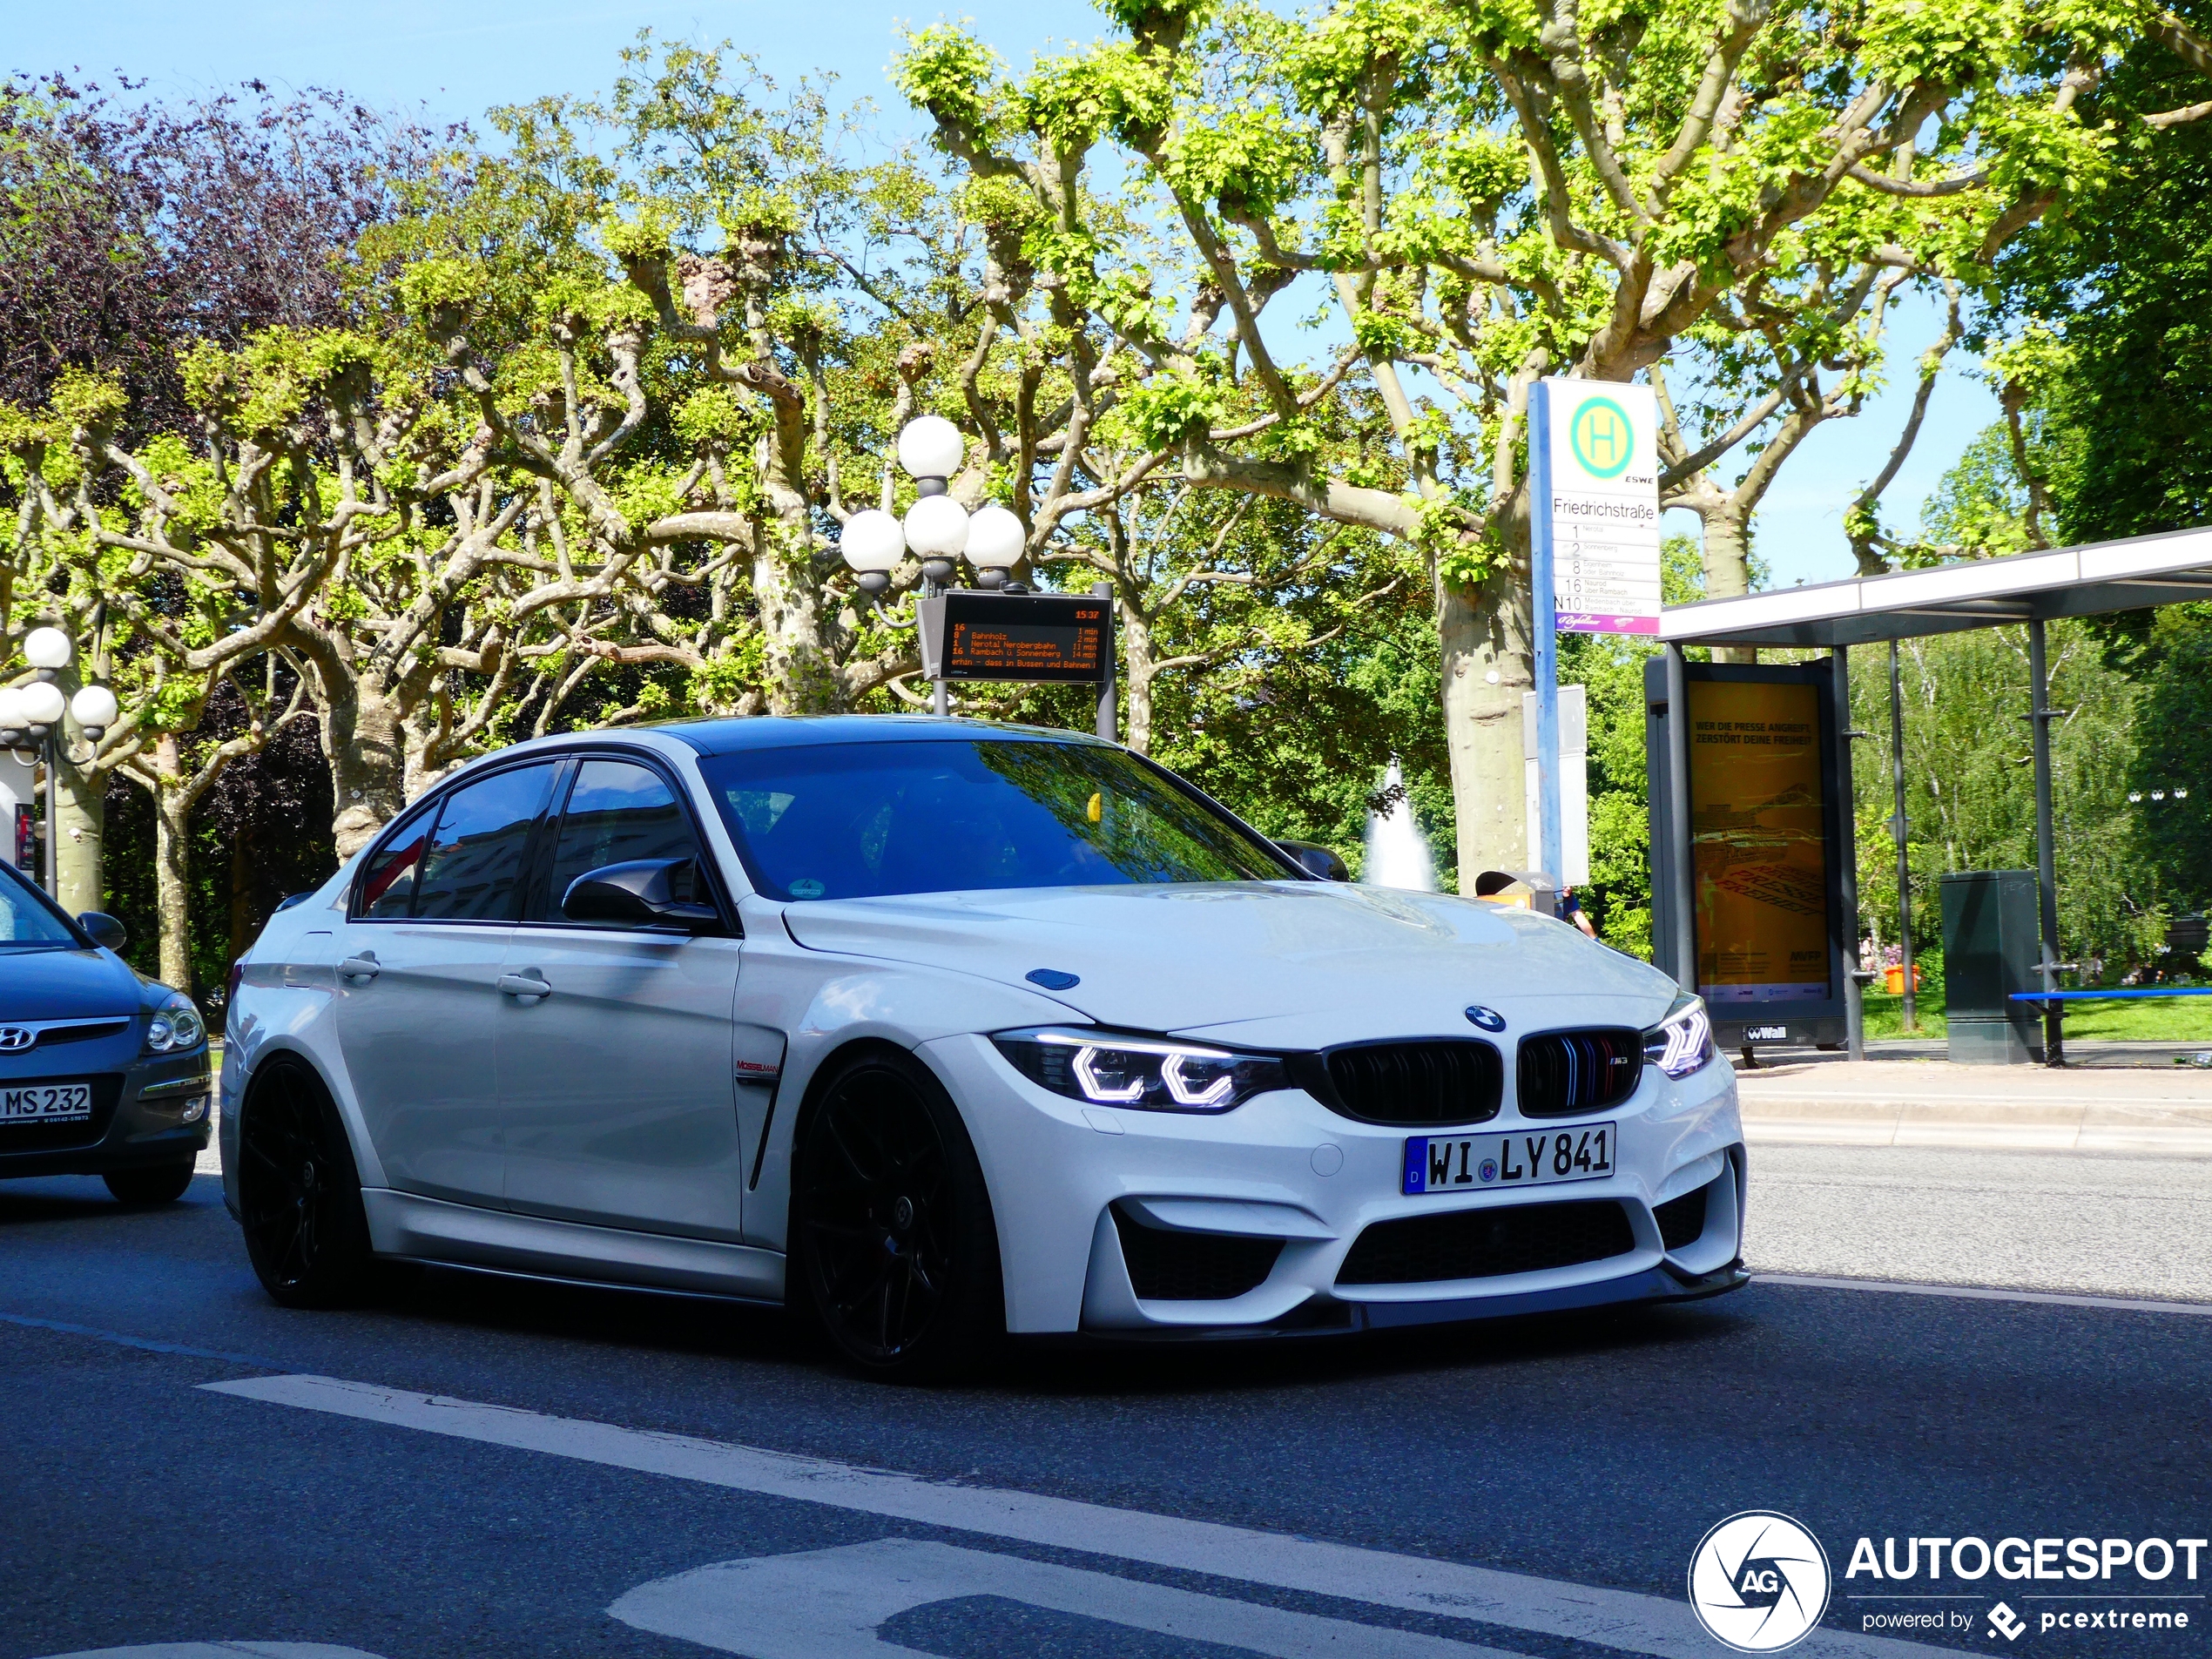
(1758, 825)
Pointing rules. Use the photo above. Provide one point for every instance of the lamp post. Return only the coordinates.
(937, 527)
(31, 718)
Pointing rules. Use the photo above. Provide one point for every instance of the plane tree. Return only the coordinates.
(1465, 196)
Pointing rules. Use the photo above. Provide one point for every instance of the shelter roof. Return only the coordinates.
(2085, 581)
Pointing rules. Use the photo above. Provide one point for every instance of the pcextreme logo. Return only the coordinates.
(1759, 1582)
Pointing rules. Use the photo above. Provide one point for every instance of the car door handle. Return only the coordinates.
(359, 967)
(517, 985)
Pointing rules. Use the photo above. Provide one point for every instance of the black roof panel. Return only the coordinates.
(780, 731)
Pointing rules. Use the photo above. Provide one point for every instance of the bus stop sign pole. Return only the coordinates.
(1550, 852)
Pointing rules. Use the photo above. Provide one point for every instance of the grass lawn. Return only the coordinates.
(2179, 1019)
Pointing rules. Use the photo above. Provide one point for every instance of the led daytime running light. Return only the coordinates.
(1152, 1074)
(1682, 1042)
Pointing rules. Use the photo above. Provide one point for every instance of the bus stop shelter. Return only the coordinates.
(2033, 589)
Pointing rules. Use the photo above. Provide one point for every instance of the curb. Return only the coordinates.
(1967, 1136)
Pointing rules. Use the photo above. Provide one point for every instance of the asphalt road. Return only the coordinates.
(2080, 1222)
(1180, 1501)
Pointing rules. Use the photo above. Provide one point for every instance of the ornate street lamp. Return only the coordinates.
(936, 528)
(31, 719)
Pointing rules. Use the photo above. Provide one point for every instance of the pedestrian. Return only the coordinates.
(1570, 909)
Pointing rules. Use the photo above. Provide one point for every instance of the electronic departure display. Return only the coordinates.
(1051, 636)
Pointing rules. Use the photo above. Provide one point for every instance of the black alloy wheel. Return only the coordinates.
(300, 1198)
(159, 1183)
(891, 1223)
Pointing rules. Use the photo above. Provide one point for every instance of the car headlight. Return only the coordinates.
(176, 1025)
(1682, 1043)
(1152, 1074)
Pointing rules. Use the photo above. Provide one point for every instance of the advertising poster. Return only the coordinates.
(1605, 506)
(1757, 821)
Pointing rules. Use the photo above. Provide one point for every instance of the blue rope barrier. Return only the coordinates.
(2084, 996)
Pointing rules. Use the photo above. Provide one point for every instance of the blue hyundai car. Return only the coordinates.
(103, 1071)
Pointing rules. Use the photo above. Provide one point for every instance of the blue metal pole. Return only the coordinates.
(1543, 609)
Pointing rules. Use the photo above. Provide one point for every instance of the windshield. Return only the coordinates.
(863, 820)
(27, 922)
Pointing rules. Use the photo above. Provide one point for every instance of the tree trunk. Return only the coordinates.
(1487, 650)
(172, 866)
(1727, 566)
(1137, 673)
(801, 677)
(241, 927)
(367, 748)
(82, 807)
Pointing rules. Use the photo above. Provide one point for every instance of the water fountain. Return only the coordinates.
(1398, 853)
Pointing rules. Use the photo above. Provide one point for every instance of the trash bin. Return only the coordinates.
(1992, 942)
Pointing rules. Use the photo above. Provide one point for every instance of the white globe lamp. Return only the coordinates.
(41, 703)
(872, 544)
(931, 446)
(994, 544)
(47, 648)
(937, 527)
(95, 710)
(12, 718)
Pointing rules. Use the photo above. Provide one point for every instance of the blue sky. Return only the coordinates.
(456, 58)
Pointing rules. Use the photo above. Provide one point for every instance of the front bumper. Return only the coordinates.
(1069, 1182)
(148, 1110)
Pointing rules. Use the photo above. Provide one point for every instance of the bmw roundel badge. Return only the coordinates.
(1488, 1019)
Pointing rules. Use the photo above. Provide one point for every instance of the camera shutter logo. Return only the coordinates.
(1759, 1581)
(15, 1038)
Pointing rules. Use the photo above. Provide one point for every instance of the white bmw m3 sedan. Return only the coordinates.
(942, 1030)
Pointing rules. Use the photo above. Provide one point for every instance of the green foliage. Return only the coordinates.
(429, 285)
(945, 70)
(1165, 410)
(1970, 786)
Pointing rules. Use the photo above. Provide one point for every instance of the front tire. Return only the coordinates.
(162, 1183)
(893, 1243)
(300, 1196)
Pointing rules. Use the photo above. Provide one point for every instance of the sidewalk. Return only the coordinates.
(1820, 1100)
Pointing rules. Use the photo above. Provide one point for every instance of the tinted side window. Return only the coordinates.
(473, 869)
(617, 812)
(387, 885)
(24, 919)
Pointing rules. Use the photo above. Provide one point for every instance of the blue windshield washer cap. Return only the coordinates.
(1052, 979)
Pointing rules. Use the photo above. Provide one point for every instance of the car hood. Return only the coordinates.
(1288, 964)
(65, 985)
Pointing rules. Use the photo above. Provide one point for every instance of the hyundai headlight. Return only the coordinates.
(1152, 1074)
(1682, 1043)
(176, 1026)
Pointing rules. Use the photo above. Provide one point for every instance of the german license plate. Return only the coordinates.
(46, 1104)
(1521, 1158)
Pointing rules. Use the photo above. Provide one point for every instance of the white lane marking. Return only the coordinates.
(830, 1604)
(1646, 1624)
(222, 1650)
(1978, 1293)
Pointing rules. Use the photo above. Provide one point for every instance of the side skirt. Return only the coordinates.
(432, 1230)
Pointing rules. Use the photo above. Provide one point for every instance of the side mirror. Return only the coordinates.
(1316, 860)
(640, 894)
(107, 932)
